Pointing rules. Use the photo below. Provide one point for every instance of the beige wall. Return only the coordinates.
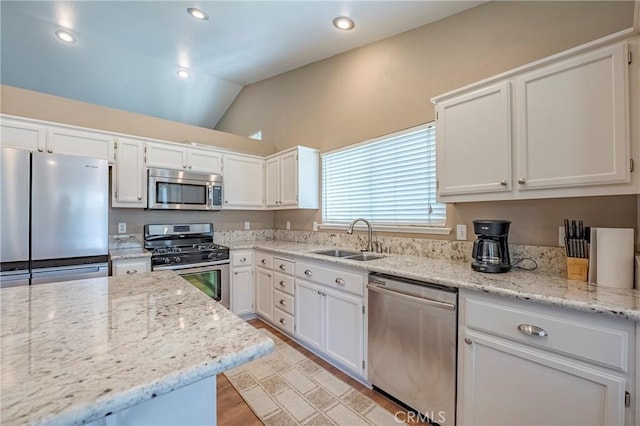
(27, 103)
(387, 86)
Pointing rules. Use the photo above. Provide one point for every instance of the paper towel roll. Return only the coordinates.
(614, 257)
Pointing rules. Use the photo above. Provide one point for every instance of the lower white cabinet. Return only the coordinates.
(524, 364)
(330, 319)
(264, 293)
(131, 266)
(241, 282)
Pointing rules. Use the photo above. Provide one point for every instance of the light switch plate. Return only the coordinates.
(288, 226)
(247, 226)
(461, 232)
(122, 228)
(561, 236)
(315, 226)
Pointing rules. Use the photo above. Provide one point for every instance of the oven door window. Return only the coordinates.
(180, 193)
(209, 282)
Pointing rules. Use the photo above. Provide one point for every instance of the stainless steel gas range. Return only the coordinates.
(189, 250)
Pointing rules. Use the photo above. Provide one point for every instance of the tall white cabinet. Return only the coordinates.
(128, 180)
(557, 128)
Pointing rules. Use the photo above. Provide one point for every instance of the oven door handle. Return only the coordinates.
(188, 268)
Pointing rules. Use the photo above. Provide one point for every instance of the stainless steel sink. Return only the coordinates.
(337, 253)
(348, 254)
(364, 257)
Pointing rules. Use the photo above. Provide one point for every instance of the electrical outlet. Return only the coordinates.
(561, 236)
(315, 226)
(122, 228)
(461, 232)
(247, 226)
(288, 226)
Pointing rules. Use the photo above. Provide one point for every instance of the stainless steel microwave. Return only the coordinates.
(178, 190)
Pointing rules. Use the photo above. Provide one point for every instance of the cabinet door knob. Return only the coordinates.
(320, 293)
(522, 181)
(243, 259)
(340, 281)
(184, 166)
(532, 330)
(40, 150)
(235, 273)
(503, 182)
(283, 321)
(324, 293)
(269, 275)
(190, 167)
(467, 341)
(132, 271)
(283, 302)
(50, 151)
(283, 267)
(282, 283)
(139, 198)
(263, 261)
(308, 273)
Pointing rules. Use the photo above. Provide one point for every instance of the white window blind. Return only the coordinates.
(389, 181)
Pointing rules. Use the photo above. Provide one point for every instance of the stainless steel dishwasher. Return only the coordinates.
(413, 345)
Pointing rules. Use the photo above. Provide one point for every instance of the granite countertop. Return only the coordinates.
(521, 284)
(128, 253)
(127, 246)
(74, 351)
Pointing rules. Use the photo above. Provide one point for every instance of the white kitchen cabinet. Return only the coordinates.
(22, 134)
(473, 134)
(292, 179)
(578, 373)
(130, 266)
(63, 140)
(559, 127)
(573, 122)
(330, 313)
(241, 283)
(264, 293)
(243, 181)
(129, 175)
(180, 156)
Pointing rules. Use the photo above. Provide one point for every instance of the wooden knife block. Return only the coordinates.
(577, 268)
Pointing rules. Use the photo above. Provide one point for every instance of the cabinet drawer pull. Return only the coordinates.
(283, 321)
(503, 182)
(340, 281)
(282, 284)
(308, 273)
(532, 330)
(283, 302)
(263, 261)
(269, 275)
(283, 267)
(132, 271)
(522, 181)
(243, 259)
(235, 273)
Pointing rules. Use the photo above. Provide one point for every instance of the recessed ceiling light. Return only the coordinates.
(343, 23)
(65, 36)
(183, 74)
(198, 14)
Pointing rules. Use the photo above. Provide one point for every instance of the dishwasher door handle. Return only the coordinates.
(404, 296)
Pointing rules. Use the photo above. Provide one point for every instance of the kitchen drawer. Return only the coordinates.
(264, 260)
(584, 336)
(130, 266)
(285, 266)
(283, 321)
(284, 283)
(244, 258)
(332, 277)
(283, 301)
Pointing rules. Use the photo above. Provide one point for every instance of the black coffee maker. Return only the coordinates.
(491, 249)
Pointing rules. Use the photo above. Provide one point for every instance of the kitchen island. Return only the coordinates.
(81, 351)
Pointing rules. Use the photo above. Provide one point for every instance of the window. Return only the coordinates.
(390, 180)
(256, 135)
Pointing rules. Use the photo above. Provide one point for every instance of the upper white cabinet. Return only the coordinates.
(243, 181)
(292, 179)
(558, 128)
(128, 177)
(573, 122)
(180, 156)
(53, 139)
(473, 147)
(22, 135)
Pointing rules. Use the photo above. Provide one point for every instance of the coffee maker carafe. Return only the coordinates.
(491, 249)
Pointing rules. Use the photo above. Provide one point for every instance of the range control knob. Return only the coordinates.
(220, 255)
(210, 256)
(167, 260)
(177, 259)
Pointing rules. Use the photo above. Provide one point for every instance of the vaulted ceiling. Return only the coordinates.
(126, 53)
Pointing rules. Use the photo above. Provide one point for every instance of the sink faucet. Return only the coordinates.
(370, 242)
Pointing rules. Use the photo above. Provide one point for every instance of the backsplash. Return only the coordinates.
(550, 260)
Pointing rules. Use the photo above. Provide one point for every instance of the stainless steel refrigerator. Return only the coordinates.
(65, 214)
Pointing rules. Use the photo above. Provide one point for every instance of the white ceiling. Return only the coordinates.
(127, 52)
